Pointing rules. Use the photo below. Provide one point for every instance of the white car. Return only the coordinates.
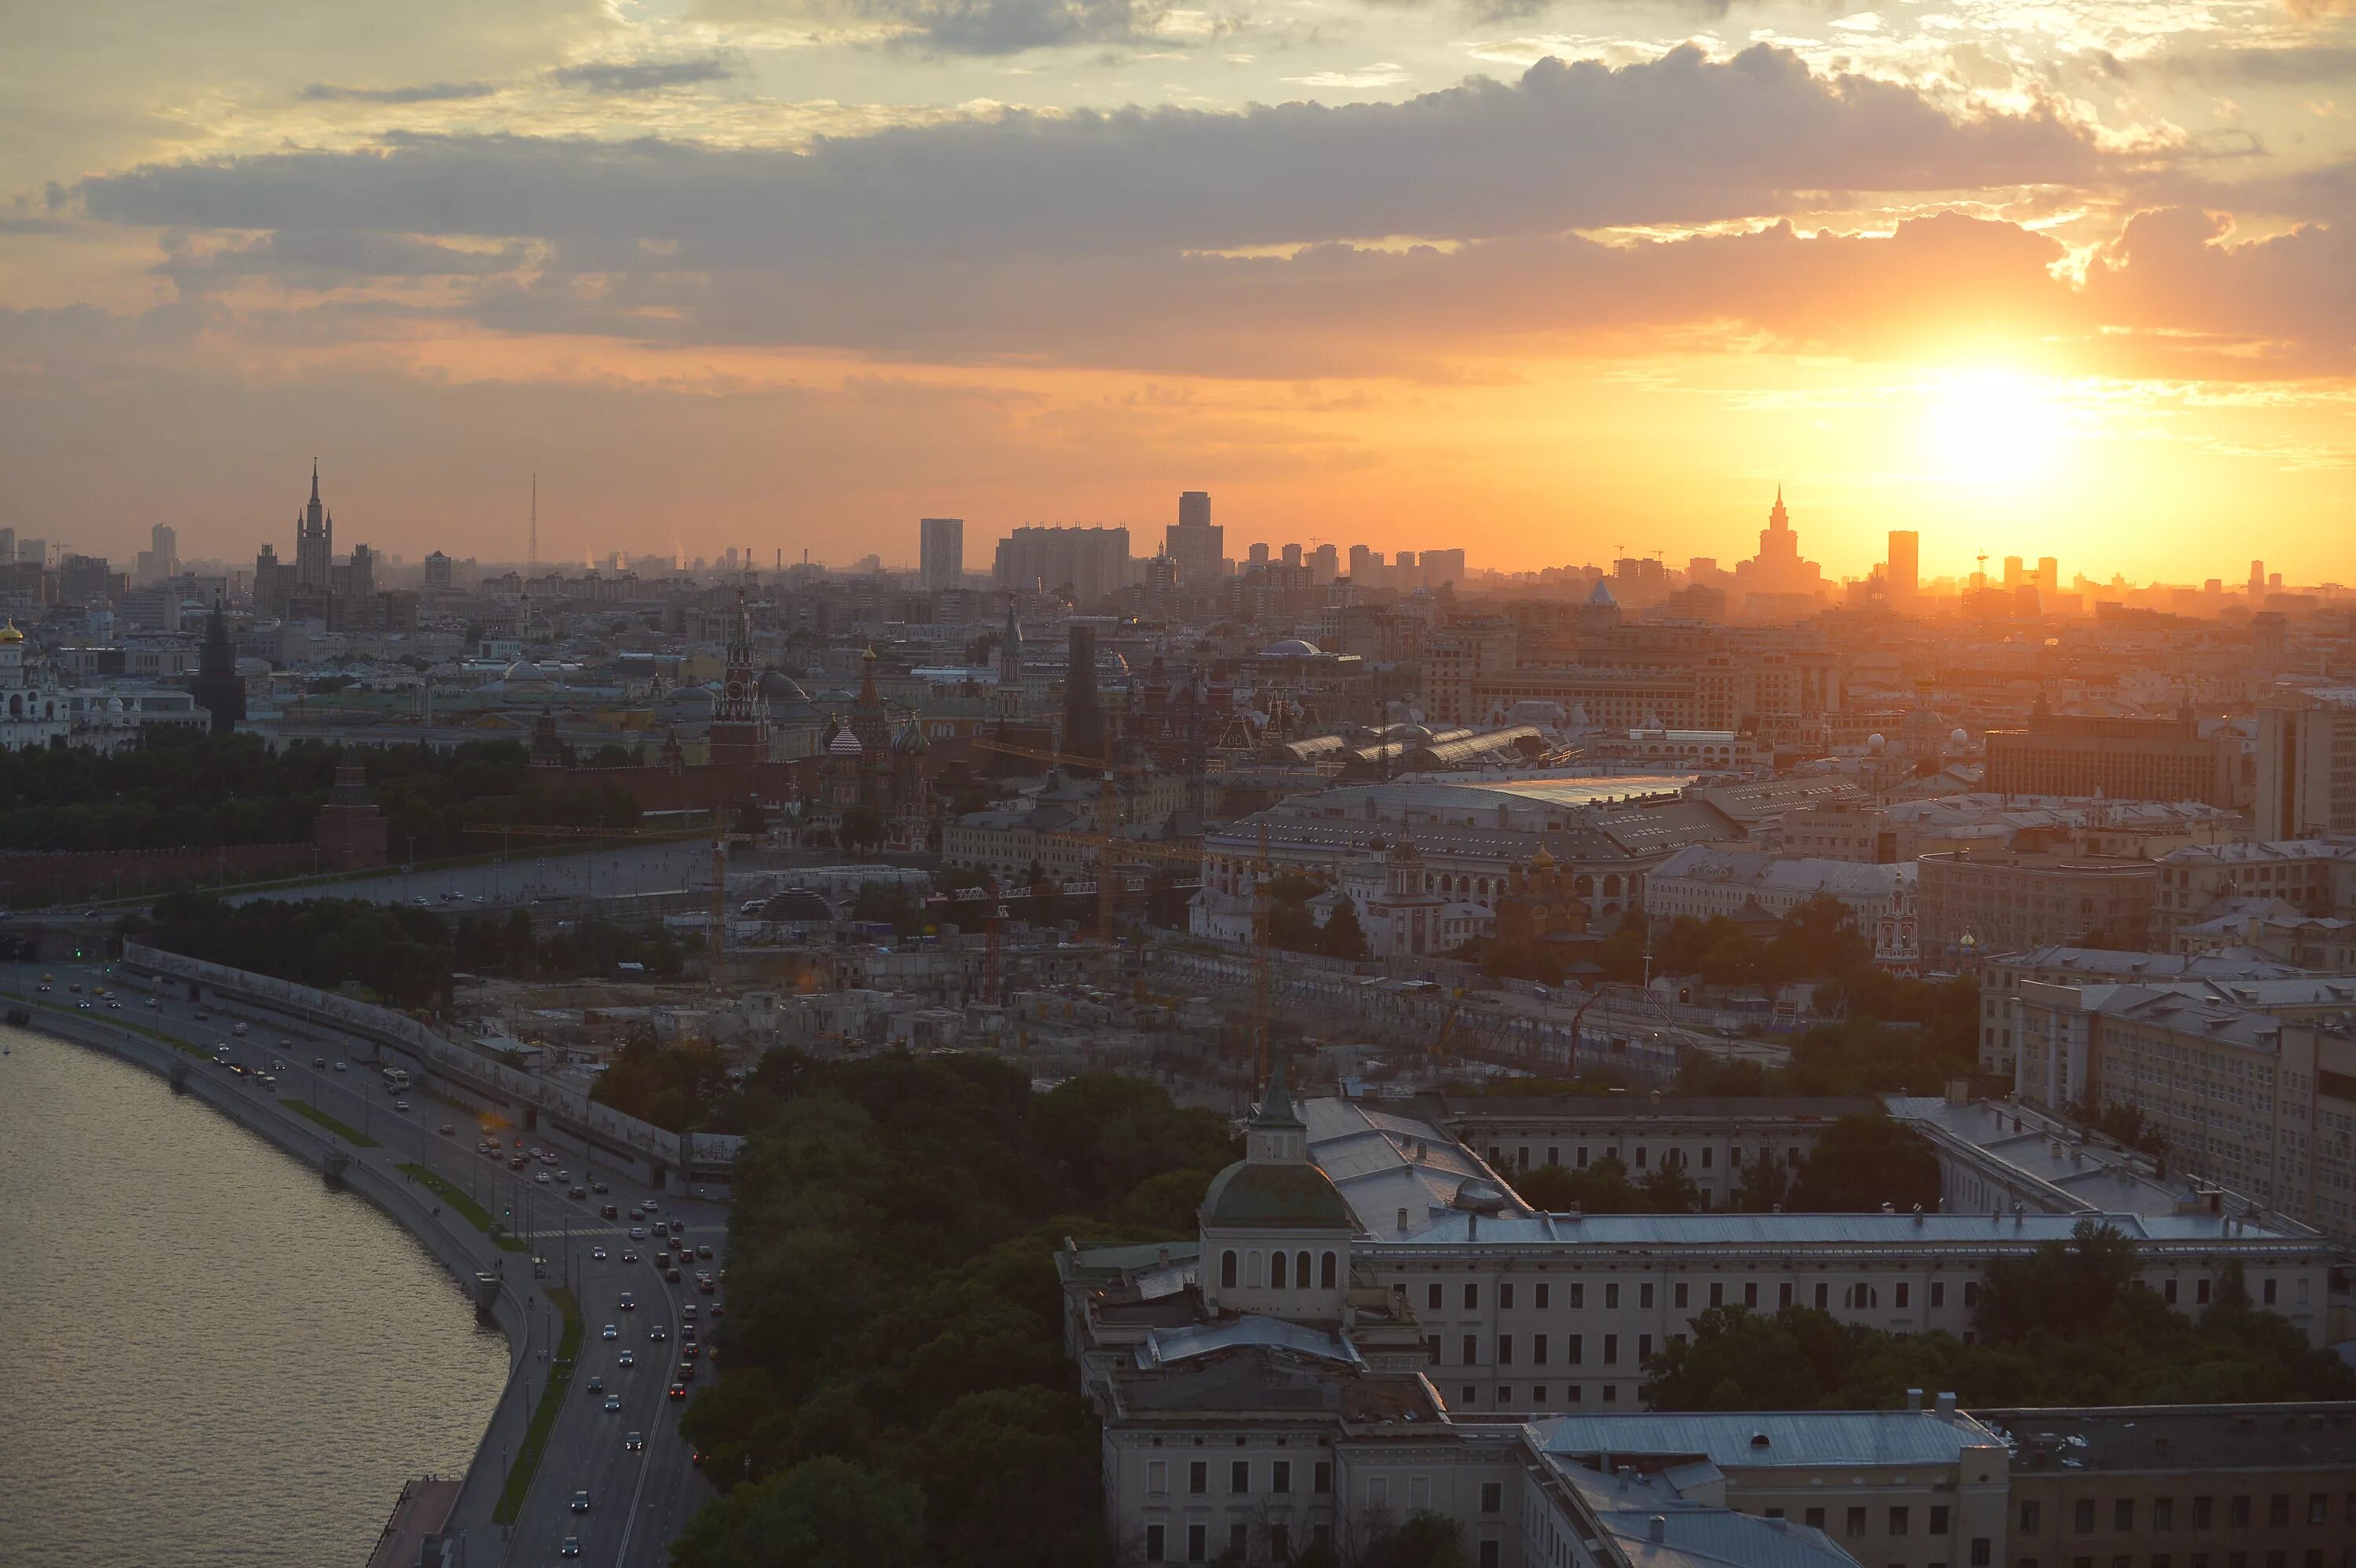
(541, 1177)
(341, 1068)
(597, 1255)
(609, 1332)
(637, 1232)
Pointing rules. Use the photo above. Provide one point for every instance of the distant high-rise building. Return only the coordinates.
(273, 580)
(1778, 576)
(1324, 564)
(2012, 577)
(1293, 555)
(2257, 578)
(1194, 542)
(437, 570)
(1091, 562)
(162, 556)
(36, 550)
(314, 549)
(2306, 788)
(1441, 567)
(1361, 559)
(2049, 574)
(940, 545)
(1905, 572)
(1258, 554)
(7, 545)
(218, 689)
(1084, 721)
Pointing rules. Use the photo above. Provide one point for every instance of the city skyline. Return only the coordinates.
(1384, 271)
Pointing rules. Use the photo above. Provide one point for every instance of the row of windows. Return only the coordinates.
(1277, 1271)
(2201, 1559)
(2240, 1511)
(1854, 1297)
(1239, 1477)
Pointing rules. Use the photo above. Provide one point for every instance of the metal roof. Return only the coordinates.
(1801, 1438)
(1774, 1231)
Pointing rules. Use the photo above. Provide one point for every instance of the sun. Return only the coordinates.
(1989, 427)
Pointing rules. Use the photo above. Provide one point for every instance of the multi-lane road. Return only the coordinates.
(639, 1498)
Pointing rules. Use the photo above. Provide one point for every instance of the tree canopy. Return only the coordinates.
(894, 1308)
(2071, 1325)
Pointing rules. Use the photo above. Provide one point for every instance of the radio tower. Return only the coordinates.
(531, 548)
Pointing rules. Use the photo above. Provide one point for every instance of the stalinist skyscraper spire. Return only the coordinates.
(315, 540)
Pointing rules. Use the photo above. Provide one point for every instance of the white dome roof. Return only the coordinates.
(525, 669)
(1289, 648)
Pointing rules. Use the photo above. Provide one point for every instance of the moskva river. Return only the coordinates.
(207, 1355)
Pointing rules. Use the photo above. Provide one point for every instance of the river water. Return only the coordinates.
(207, 1356)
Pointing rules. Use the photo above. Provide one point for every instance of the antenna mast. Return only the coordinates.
(531, 557)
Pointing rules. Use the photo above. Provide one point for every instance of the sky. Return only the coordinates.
(1552, 282)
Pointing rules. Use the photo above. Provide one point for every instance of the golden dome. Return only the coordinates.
(8, 634)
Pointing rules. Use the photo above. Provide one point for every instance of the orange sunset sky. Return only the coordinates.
(1546, 281)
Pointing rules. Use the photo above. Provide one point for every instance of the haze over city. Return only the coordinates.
(1094, 783)
(2069, 276)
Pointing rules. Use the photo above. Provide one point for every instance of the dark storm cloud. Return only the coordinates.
(428, 93)
(643, 76)
(1677, 139)
(965, 26)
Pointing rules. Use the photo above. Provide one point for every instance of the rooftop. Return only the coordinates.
(1748, 1439)
(2180, 1437)
(1962, 1232)
(1257, 1379)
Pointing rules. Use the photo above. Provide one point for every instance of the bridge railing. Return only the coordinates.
(483, 1068)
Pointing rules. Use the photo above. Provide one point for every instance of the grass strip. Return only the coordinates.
(456, 1195)
(350, 1134)
(544, 1420)
(198, 1052)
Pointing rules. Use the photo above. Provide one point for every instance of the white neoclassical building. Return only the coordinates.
(33, 711)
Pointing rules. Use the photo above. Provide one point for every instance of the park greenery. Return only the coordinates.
(2069, 1325)
(1292, 925)
(178, 790)
(1860, 1163)
(400, 955)
(893, 1388)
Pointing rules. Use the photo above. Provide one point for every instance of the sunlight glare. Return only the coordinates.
(1990, 427)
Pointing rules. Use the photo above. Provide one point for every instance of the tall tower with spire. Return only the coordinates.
(315, 540)
(218, 689)
(1006, 703)
(740, 719)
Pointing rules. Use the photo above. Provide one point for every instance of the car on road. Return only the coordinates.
(601, 1189)
(650, 1205)
(516, 1164)
(448, 1131)
(317, 1063)
(572, 1547)
(597, 1255)
(695, 1458)
(608, 1212)
(704, 1251)
(634, 1443)
(687, 1371)
(657, 1333)
(609, 1332)
(637, 1210)
(625, 1359)
(678, 1391)
(612, 1404)
(578, 1192)
(580, 1503)
(690, 1350)
(341, 1068)
(628, 1302)
(402, 1105)
(637, 1232)
(703, 1285)
(688, 1312)
(629, 1257)
(541, 1177)
(597, 1385)
(670, 1277)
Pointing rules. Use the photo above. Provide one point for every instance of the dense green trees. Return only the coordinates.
(1863, 1162)
(403, 955)
(893, 1308)
(680, 1087)
(176, 791)
(2070, 1325)
(1605, 1188)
